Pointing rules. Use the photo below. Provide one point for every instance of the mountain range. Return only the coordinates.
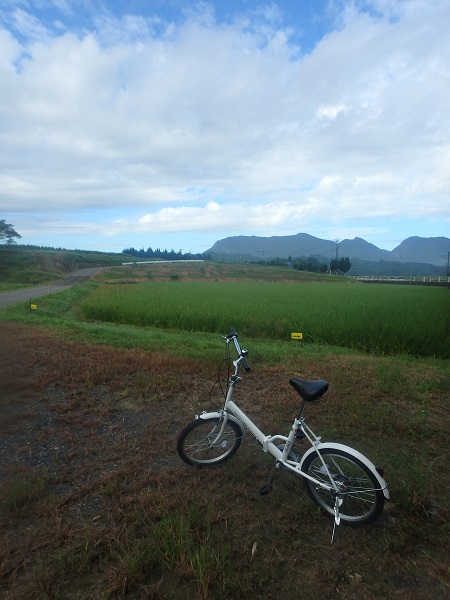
(428, 252)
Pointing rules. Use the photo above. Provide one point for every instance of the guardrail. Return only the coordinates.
(401, 279)
(159, 262)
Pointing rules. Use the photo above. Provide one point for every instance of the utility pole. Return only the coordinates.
(337, 254)
(448, 264)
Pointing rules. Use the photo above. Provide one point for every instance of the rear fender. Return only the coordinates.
(355, 454)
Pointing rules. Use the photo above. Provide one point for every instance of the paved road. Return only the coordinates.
(35, 292)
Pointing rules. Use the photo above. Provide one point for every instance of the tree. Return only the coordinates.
(7, 232)
(340, 265)
(345, 264)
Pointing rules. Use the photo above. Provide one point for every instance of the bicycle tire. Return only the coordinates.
(194, 442)
(363, 500)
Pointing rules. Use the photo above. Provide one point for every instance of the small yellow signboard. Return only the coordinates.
(297, 336)
(33, 306)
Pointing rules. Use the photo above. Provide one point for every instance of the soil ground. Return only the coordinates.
(72, 420)
(88, 470)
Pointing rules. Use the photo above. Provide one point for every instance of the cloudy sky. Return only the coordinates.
(176, 123)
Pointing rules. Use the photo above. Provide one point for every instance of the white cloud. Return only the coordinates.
(331, 111)
(191, 123)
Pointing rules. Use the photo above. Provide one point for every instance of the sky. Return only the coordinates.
(172, 124)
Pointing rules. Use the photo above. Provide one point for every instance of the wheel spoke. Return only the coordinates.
(353, 482)
(198, 443)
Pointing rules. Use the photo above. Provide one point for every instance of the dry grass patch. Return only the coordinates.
(96, 504)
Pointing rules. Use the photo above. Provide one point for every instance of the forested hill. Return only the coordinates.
(432, 251)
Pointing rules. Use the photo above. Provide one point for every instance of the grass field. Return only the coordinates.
(375, 318)
(96, 504)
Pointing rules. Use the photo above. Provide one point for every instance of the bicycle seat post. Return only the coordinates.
(302, 407)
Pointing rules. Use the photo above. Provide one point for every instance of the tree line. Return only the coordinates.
(311, 264)
(164, 254)
(341, 265)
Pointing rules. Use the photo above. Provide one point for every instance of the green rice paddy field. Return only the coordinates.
(376, 318)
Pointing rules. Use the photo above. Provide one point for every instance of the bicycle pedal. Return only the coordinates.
(265, 489)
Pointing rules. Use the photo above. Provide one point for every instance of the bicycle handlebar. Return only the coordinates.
(233, 335)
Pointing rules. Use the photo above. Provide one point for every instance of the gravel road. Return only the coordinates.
(73, 278)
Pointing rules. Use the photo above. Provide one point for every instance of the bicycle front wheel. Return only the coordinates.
(198, 443)
(362, 498)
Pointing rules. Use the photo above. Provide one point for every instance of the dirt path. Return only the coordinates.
(22, 402)
(73, 278)
(53, 392)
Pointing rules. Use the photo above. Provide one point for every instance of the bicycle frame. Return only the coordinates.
(233, 412)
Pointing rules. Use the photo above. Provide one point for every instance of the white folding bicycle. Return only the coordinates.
(342, 481)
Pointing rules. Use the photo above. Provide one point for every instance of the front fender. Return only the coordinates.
(355, 454)
(219, 415)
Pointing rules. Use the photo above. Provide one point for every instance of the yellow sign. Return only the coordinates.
(33, 306)
(297, 336)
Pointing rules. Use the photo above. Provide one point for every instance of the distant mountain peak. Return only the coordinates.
(302, 245)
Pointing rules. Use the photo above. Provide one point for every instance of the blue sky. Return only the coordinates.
(174, 123)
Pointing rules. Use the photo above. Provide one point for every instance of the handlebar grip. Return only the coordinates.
(242, 353)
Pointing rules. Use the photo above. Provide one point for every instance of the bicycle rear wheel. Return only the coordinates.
(197, 443)
(359, 489)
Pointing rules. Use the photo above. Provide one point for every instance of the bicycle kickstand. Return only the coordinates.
(337, 518)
